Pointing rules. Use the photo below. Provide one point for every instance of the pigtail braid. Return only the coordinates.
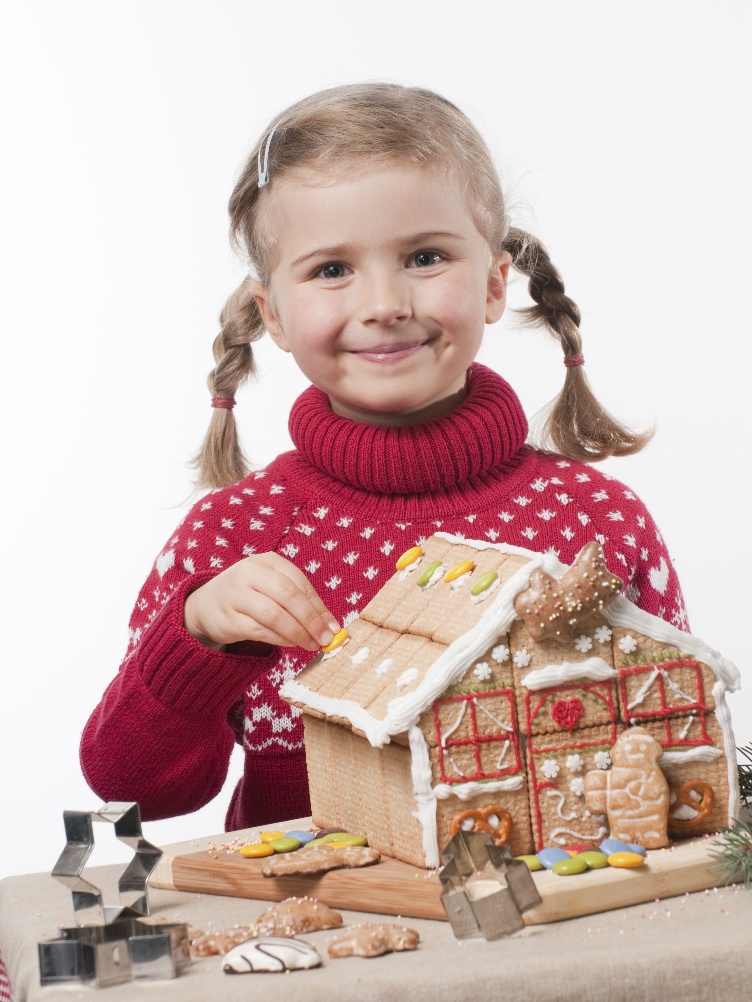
(220, 460)
(577, 425)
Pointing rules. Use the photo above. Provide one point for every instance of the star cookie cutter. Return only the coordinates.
(485, 889)
(120, 946)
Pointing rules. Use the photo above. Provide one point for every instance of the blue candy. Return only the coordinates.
(552, 855)
(302, 837)
(611, 845)
(640, 849)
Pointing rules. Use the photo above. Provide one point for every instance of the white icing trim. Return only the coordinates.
(596, 669)
(425, 798)
(700, 753)
(466, 791)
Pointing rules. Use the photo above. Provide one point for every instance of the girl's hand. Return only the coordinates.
(263, 598)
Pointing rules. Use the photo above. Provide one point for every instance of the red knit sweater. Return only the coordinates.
(342, 507)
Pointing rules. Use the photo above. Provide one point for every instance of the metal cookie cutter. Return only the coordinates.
(485, 889)
(120, 946)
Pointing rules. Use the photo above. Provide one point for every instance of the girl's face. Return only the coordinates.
(381, 288)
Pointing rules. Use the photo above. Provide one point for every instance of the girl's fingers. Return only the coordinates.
(286, 605)
(305, 586)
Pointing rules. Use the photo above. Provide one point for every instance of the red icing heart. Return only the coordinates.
(567, 712)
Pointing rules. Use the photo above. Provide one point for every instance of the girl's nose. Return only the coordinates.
(385, 300)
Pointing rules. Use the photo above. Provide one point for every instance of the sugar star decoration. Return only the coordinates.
(79, 831)
(554, 609)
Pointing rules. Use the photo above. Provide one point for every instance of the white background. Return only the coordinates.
(623, 136)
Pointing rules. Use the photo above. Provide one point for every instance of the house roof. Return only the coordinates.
(411, 642)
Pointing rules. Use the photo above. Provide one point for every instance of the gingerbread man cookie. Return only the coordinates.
(634, 793)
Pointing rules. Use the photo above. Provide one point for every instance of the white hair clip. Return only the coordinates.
(263, 168)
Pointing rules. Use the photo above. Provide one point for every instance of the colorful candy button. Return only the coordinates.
(594, 860)
(428, 573)
(409, 557)
(634, 847)
(552, 855)
(612, 845)
(303, 837)
(484, 583)
(459, 570)
(270, 836)
(532, 862)
(626, 860)
(347, 839)
(257, 849)
(285, 844)
(338, 641)
(569, 866)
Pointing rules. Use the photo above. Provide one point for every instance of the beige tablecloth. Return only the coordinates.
(692, 948)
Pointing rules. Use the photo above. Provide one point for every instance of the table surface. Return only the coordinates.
(695, 947)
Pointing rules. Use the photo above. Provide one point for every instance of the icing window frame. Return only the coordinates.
(669, 714)
(480, 737)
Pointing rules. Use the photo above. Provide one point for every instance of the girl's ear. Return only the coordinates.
(496, 297)
(263, 300)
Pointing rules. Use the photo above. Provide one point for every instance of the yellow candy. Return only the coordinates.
(627, 860)
(339, 639)
(257, 849)
(409, 557)
(464, 567)
(270, 836)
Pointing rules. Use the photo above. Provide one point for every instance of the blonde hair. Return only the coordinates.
(356, 126)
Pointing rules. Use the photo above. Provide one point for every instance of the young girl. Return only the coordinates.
(375, 225)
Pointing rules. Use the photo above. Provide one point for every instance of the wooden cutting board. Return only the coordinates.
(391, 887)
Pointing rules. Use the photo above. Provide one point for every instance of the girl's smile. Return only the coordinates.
(381, 287)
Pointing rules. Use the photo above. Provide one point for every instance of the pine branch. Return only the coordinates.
(734, 853)
(745, 775)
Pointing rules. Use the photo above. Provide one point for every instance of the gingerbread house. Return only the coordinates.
(484, 681)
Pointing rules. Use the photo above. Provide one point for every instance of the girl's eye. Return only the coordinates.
(332, 270)
(424, 259)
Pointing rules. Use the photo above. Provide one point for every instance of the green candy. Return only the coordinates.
(483, 582)
(285, 844)
(594, 860)
(347, 839)
(531, 862)
(566, 867)
(428, 573)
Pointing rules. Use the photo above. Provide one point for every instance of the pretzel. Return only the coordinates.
(681, 796)
(481, 822)
(320, 859)
(295, 915)
(372, 939)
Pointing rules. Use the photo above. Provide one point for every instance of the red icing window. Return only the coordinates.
(470, 723)
(671, 700)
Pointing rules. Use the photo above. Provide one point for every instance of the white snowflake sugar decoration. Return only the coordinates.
(574, 763)
(482, 672)
(500, 654)
(628, 644)
(577, 786)
(522, 659)
(550, 768)
(583, 644)
(603, 634)
(602, 759)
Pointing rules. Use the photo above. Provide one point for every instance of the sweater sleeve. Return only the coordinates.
(160, 735)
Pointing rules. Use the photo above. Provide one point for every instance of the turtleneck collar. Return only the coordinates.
(486, 430)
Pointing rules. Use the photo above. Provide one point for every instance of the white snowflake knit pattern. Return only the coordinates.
(348, 557)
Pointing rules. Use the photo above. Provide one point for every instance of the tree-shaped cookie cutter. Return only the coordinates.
(485, 889)
(119, 946)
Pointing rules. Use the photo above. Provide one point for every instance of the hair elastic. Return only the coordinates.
(263, 168)
(572, 360)
(223, 403)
